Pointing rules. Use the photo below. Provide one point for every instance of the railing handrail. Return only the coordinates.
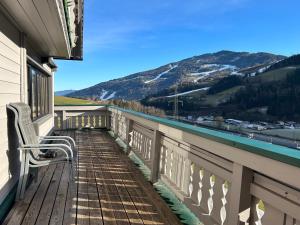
(276, 152)
(82, 105)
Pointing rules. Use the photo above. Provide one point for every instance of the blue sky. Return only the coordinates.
(123, 37)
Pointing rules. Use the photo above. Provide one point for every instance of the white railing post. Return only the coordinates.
(116, 123)
(155, 156)
(240, 197)
(64, 120)
(107, 120)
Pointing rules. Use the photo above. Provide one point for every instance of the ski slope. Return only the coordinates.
(188, 92)
(161, 74)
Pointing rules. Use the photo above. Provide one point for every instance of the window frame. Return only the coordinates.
(39, 96)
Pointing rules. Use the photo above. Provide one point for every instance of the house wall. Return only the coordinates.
(10, 91)
(13, 88)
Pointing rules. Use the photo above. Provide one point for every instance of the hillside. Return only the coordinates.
(63, 93)
(61, 100)
(195, 73)
(270, 95)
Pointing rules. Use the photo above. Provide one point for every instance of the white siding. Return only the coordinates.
(9, 92)
(13, 88)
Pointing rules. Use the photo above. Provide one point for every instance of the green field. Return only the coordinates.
(274, 75)
(214, 100)
(61, 100)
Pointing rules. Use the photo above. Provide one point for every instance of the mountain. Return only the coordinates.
(63, 93)
(196, 73)
(266, 95)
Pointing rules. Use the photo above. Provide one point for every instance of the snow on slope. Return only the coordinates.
(112, 95)
(188, 92)
(104, 93)
(161, 74)
(219, 68)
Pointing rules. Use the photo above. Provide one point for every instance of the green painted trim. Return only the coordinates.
(283, 154)
(7, 204)
(65, 2)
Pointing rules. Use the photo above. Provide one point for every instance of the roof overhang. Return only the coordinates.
(53, 27)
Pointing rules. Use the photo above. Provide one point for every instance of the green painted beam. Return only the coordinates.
(7, 204)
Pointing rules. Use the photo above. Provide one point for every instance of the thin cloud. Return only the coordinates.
(115, 24)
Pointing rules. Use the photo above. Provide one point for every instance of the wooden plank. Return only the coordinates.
(94, 203)
(120, 205)
(47, 206)
(108, 212)
(82, 201)
(19, 210)
(93, 196)
(71, 201)
(36, 204)
(58, 211)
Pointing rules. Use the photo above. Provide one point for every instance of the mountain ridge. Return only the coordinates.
(202, 70)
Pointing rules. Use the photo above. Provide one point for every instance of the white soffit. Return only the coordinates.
(44, 23)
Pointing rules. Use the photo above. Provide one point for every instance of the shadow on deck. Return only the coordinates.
(107, 189)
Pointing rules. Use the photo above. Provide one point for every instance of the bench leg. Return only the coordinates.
(21, 177)
(25, 177)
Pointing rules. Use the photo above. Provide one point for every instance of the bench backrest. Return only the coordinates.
(24, 125)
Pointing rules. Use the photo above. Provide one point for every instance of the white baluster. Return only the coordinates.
(149, 149)
(76, 122)
(260, 211)
(58, 122)
(94, 121)
(82, 121)
(171, 165)
(191, 187)
(210, 201)
(199, 195)
(166, 161)
(224, 202)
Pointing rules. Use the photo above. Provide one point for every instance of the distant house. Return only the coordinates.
(32, 34)
(256, 127)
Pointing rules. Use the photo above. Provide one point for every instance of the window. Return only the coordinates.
(38, 92)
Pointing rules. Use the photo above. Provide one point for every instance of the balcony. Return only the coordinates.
(221, 178)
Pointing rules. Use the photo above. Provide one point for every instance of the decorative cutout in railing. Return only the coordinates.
(210, 201)
(205, 189)
(122, 126)
(259, 209)
(223, 212)
(201, 175)
(141, 145)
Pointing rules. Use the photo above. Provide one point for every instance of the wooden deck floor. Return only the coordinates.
(108, 189)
